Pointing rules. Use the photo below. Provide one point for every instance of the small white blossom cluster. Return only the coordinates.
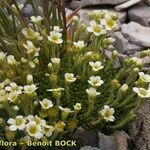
(102, 21)
(34, 126)
(141, 91)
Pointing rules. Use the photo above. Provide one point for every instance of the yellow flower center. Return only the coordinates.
(107, 114)
(18, 122)
(55, 38)
(33, 130)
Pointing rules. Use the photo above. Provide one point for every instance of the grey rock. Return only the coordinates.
(122, 57)
(117, 141)
(139, 129)
(147, 2)
(21, 1)
(146, 61)
(27, 11)
(86, 137)
(127, 4)
(89, 148)
(83, 3)
(136, 33)
(140, 15)
(83, 13)
(109, 56)
(124, 46)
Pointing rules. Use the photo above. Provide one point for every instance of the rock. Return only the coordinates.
(86, 137)
(147, 2)
(117, 141)
(122, 57)
(136, 33)
(109, 56)
(140, 15)
(83, 3)
(27, 11)
(124, 46)
(21, 1)
(127, 4)
(83, 13)
(89, 148)
(139, 129)
(146, 60)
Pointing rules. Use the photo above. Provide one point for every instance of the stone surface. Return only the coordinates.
(27, 11)
(109, 56)
(84, 14)
(127, 4)
(137, 33)
(140, 15)
(21, 1)
(139, 130)
(147, 2)
(89, 148)
(117, 141)
(86, 137)
(124, 46)
(83, 3)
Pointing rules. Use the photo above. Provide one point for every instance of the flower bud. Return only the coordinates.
(31, 64)
(23, 60)
(29, 79)
(9, 135)
(59, 127)
(50, 67)
(16, 108)
(75, 20)
(2, 122)
(124, 88)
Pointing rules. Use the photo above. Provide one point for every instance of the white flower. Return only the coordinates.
(11, 60)
(12, 96)
(46, 104)
(107, 113)
(37, 120)
(92, 93)
(37, 19)
(20, 6)
(144, 77)
(55, 61)
(108, 22)
(95, 81)
(14, 88)
(57, 29)
(2, 56)
(79, 44)
(69, 77)
(31, 34)
(55, 37)
(77, 106)
(48, 130)
(95, 28)
(65, 110)
(137, 61)
(34, 130)
(17, 123)
(142, 92)
(96, 66)
(30, 47)
(30, 89)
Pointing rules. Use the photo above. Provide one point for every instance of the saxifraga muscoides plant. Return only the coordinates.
(47, 91)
